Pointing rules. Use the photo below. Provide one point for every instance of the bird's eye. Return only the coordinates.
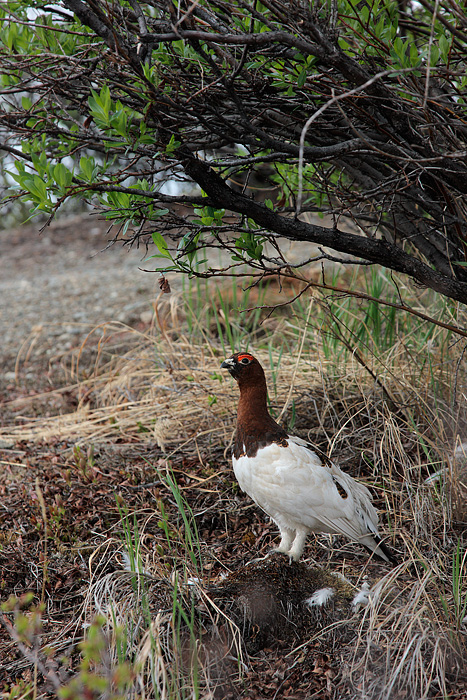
(245, 361)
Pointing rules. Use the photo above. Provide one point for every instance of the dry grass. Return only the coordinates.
(400, 436)
(405, 649)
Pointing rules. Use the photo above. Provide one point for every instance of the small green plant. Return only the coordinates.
(191, 541)
(57, 522)
(95, 677)
(84, 461)
(131, 537)
(230, 314)
(27, 617)
(183, 544)
(22, 690)
(132, 543)
(459, 585)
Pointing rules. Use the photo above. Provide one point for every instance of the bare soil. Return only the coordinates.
(56, 285)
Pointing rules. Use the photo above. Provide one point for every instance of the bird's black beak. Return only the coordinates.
(229, 365)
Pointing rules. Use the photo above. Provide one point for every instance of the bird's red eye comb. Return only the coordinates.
(245, 356)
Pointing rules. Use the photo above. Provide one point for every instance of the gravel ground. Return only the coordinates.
(57, 285)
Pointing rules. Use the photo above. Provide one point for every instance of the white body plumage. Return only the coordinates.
(301, 495)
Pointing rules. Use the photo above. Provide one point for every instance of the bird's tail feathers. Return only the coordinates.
(378, 547)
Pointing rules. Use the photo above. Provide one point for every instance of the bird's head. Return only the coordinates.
(254, 422)
(244, 368)
(242, 365)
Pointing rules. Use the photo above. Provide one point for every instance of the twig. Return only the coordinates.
(428, 57)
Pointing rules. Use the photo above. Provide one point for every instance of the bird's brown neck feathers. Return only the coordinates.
(255, 426)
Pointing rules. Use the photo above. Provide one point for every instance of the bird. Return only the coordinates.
(300, 491)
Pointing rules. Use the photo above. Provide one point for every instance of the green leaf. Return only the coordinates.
(36, 186)
(302, 78)
(161, 245)
(172, 145)
(414, 56)
(444, 47)
(62, 175)
(86, 166)
(434, 55)
(11, 35)
(119, 120)
(100, 104)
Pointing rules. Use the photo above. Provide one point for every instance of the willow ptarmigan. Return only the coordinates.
(288, 480)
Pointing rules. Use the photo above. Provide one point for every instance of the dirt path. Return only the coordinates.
(57, 285)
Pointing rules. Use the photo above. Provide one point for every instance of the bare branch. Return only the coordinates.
(370, 249)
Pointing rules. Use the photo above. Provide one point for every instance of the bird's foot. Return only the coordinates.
(286, 553)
